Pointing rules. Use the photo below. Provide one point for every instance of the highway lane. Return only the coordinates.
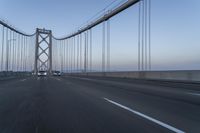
(77, 105)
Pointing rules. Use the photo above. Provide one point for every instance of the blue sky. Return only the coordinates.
(175, 29)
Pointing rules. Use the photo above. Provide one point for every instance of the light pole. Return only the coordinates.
(7, 51)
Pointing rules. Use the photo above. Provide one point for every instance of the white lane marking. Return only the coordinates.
(146, 117)
(23, 80)
(56, 78)
(36, 129)
(195, 94)
(85, 79)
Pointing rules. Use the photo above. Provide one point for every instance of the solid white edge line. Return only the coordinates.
(146, 117)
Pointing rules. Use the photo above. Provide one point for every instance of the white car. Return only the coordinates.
(56, 73)
(42, 73)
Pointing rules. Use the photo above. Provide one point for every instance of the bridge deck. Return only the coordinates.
(97, 105)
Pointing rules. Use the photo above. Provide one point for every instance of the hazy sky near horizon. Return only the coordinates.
(175, 28)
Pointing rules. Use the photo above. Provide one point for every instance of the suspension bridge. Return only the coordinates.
(83, 98)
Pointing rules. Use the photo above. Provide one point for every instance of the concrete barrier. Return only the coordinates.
(186, 75)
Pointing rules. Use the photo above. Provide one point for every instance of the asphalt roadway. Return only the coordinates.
(98, 105)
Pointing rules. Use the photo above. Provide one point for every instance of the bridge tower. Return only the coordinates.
(43, 51)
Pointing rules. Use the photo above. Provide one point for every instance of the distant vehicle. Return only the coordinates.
(56, 73)
(42, 73)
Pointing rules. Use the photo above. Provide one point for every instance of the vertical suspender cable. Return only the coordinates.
(7, 48)
(70, 50)
(60, 57)
(149, 34)
(15, 43)
(143, 34)
(90, 50)
(74, 53)
(81, 51)
(22, 53)
(10, 52)
(21, 42)
(2, 50)
(67, 56)
(24, 58)
(108, 45)
(56, 55)
(21, 64)
(71, 44)
(17, 54)
(17, 47)
(77, 60)
(146, 19)
(16, 50)
(61, 50)
(103, 48)
(85, 54)
(13, 52)
(9, 44)
(26, 51)
(139, 37)
(68, 44)
(64, 55)
(53, 55)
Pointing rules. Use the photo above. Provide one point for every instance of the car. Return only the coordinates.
(42, 73)
(56, 73)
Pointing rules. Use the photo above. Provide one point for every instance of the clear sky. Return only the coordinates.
(175, 28)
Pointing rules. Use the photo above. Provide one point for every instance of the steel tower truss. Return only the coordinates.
(43, 52)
